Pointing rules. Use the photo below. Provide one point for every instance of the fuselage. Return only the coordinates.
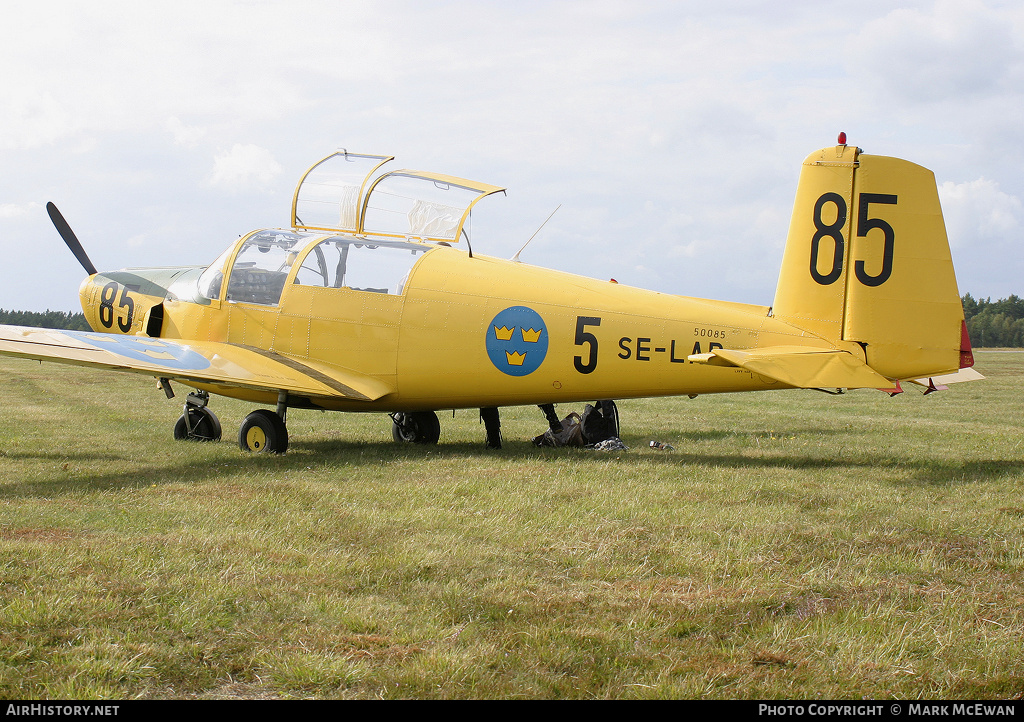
(456, 332)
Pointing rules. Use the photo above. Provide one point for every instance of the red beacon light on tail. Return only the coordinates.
(842, 138)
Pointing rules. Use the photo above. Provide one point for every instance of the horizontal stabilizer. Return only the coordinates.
(801, 367)
(193, 361)
(938, 382)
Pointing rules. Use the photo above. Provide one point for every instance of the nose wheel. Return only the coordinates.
(197, 422)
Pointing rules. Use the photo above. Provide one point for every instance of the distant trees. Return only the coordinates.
(45, 319)
(994, 323)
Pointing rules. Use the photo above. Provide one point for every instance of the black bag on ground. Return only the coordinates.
(600, 422)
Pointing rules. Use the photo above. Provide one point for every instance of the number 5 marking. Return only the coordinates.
(865, 224)
(585, 337)
(126, 302)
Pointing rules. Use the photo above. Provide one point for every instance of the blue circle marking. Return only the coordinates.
(150, 350)
(517, 341)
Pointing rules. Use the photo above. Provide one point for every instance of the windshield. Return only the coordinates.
(212, 278)
(261, 267)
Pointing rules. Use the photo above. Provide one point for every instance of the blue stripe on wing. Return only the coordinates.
(149, 350)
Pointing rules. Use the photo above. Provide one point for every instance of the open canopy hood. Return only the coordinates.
(343, 193)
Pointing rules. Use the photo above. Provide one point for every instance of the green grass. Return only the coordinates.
(793, 545)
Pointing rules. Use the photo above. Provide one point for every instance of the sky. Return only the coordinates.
(669, 133)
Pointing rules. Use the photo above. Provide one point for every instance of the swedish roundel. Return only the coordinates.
(517, 341)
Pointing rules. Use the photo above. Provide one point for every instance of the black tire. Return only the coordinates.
(205, 425)
(415, 427)
(263, 431)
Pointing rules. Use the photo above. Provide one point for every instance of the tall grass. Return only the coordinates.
(791, 545)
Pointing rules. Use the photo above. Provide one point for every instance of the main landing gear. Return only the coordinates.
(265, 431)
(261, 431)
(422, 427)
(416, 427)
(598, 423)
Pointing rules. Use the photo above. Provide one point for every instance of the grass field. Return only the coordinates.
(793, 545)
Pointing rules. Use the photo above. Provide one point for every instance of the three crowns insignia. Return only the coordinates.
(530, 335)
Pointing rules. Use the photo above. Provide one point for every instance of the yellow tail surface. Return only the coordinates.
(867, 261)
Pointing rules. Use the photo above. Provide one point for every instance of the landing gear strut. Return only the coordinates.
(492, 423)
(197, 422)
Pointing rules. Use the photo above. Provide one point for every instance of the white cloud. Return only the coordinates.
(17, 210)
(683, 250)
(187, 136)
(984, 225)
(977, 210)
(955, 48)
(30, 118)
(244, 167)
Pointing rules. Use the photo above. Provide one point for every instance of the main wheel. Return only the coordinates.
(262, 431)
(204, 424)
(417, 427)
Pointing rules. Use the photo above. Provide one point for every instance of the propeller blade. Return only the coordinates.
(69, 238)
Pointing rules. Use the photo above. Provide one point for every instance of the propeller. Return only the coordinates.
(69, 238)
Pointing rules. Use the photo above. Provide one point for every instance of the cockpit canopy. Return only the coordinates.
(266, 261)
(340, 194)
(328, 197)
(378, 226)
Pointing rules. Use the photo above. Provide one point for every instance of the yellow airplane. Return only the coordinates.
(366, 304)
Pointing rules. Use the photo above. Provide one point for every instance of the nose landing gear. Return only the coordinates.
(197, 422)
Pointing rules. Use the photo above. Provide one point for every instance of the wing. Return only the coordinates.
(802, 367)
(198, 361)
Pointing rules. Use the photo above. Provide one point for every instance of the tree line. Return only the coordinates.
(994, 323)
(45, 319)
(989, 323)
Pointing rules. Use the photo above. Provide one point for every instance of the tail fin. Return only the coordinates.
(867, 261)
